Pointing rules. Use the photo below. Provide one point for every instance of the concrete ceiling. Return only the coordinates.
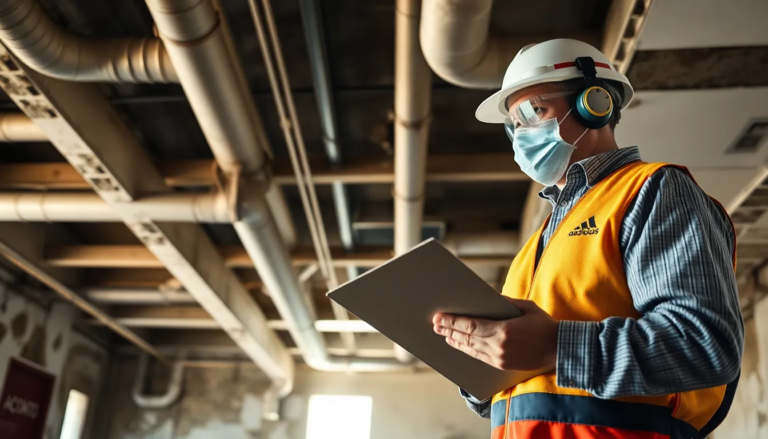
(696, 128)
(705, 23)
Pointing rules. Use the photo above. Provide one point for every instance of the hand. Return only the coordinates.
(528, 342)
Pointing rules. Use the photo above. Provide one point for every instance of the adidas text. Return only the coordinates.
(584, 232)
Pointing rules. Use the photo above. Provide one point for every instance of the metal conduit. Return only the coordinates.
(295, 141)
(318, 60)
(30, 34)
(215, 86)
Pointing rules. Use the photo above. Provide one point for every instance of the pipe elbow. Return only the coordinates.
(455, 42)
(46, 48)
(159, 401)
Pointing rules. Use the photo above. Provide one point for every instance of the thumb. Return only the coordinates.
(525, 306)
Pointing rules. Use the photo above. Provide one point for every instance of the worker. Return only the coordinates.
(628, 291)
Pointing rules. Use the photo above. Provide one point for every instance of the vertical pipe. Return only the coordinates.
(413, 99)
(318, 59)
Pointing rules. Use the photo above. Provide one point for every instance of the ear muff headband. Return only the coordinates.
(593, 103)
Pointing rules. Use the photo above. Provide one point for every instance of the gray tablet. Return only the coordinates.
(400, 297)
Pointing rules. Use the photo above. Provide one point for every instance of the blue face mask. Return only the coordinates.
(541, 152)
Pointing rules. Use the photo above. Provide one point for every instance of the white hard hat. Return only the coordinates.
(550, 61)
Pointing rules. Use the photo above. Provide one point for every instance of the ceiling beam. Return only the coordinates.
(200, 173)
(21, 243)
(137, 256)
(622, 29)
(195, 317)
(214, 344)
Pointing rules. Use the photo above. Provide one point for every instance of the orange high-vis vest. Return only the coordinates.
(580, 277)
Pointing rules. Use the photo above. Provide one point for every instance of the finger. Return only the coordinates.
(525, 306)
(472, 352)
(467, 325)
(463, 338)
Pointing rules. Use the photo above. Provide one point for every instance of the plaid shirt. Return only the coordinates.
(677, 246)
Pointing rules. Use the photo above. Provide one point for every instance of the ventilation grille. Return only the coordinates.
(750, 139)
(382, 233)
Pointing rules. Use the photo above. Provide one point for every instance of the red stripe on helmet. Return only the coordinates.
(563, 65)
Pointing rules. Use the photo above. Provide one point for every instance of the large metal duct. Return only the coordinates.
(19, 128)
(212, 78)
(30, 34)
(458, 47)
(413, 101)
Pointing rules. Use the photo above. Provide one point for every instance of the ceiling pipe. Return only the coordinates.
(156, 402)
(17, 127)
(89, 207)
(318, 60)
(413, 101)
(198, 42)
(30, 34)
(138, 296)
(214, 83)
(459, 49)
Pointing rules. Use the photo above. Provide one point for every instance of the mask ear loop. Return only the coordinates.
(582, 134)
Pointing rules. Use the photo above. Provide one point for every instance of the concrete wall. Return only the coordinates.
(748, 417)
(225, 403)
(45, 337)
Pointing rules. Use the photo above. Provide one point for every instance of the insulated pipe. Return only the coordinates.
(213, 80)
(200, 46)
(157, 401)
(413, 100)
(133, 296)
(30, 34)
(17, 127)
(457, 46)
(89, 207)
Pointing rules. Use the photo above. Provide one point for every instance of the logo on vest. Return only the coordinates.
(586, 228)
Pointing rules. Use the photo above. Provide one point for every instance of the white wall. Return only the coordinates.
(676, 24)
(45, 337)
(226, 404)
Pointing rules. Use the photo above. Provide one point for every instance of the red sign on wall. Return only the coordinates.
(24, 402)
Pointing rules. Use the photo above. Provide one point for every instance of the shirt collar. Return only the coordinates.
(593, 169)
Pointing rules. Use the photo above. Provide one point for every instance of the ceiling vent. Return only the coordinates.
(382, 233)
(750, 139)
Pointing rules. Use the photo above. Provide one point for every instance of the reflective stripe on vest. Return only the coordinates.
(580, 276)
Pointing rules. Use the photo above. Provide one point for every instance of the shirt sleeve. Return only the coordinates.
(481, 408)
(677, 246)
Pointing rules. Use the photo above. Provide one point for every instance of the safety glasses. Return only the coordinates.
(529, 112)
